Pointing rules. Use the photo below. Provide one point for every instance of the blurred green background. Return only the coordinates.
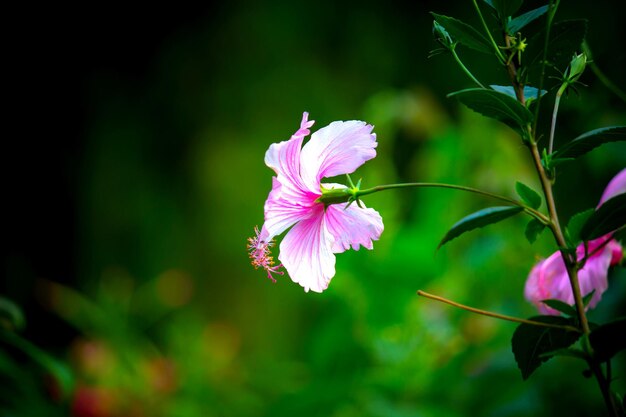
(135, 173)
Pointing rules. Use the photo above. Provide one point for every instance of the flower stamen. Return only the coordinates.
(260, 255)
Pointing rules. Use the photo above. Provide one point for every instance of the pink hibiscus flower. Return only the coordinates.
(318, 229)
(549, 280)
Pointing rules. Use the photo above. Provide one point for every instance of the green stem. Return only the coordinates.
(557, 101)
(464, 68)
(553, 5)
(495, 315)
(555, 227)
(538, 215)
(489, 35)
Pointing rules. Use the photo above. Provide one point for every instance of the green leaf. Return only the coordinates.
(588, 297)
(608, 217)
(533, 228)
(516, 24)
(591, 140)
(464, 33)
(528, 195)
(532, 344)
(576, 223)
(570, 352)
(560, 306)
(505, 8)
(497, 105)
(608, 339)
(530, 93)
(479, 219)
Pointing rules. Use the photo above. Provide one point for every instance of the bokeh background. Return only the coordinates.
(134, 174)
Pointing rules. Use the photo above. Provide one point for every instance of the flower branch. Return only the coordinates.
(495, 315)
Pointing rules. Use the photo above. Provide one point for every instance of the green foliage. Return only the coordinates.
(609, 217)
(587, 298)
(533, 229)
(591, 140)
(528, 195)
(518, 23)
(559, 305)
(530, 93)
(464, 33)
(608, 339)
(497, 105)
(479, 219)
(575, 225)
(505, 8)
(533, 345)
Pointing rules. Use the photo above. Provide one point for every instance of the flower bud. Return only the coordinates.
(576, 67)
(442, 36)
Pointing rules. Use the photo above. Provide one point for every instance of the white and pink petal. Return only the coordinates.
(339, 148)
(306, 252)
(353, 226)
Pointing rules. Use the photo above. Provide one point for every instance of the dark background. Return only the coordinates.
(134, 143)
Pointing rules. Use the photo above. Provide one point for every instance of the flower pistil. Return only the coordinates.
(259, 251)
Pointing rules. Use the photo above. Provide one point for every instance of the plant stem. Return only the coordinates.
(552, 6)
(493, 42)
(557, 101)
(464, 68)
(536, 214)
(570, 264)
(496, 315)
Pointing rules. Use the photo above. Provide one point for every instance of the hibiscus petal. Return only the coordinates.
(339, 148)
(284, 159)
(283, 208)
(549, 278)
(353, 226)
(615, 187)
(306, 253)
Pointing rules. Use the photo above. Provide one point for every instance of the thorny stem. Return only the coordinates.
(496, 315)
(536, 214)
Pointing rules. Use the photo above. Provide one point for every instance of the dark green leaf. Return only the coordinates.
(497, 105)
(590, 140)
(608, 217)
(464, 33)
(479, 219)
(588, 297)
(570, 352)
(533, 228)
(516, 24)
(532, 344)
(505, 8)
(528, 195)
(576, 223)
(608, 339)
(530, 93)
(560, 306)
